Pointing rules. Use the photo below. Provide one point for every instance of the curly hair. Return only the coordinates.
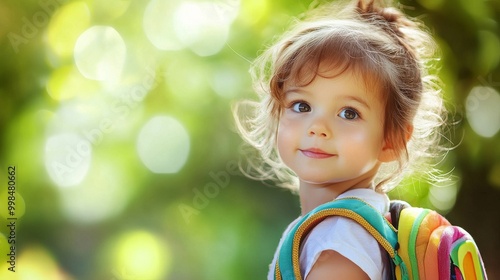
(389, 50)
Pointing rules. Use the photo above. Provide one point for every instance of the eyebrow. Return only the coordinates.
(299, 91)
(356, 99)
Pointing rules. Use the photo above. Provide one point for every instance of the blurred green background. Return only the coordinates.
(117, 117)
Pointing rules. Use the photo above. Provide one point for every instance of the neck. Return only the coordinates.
(312, 195)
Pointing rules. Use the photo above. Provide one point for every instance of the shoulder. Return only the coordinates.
(342, 238)
(347, 239)
(339, 234)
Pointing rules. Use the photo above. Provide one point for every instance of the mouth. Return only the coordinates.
(316, 153)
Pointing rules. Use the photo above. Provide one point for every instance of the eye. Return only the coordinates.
(301, 107)
(349, 114)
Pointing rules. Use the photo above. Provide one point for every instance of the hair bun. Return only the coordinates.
(389, 19)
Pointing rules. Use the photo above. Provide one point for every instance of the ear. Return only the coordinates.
(408, 132)
(389, 151)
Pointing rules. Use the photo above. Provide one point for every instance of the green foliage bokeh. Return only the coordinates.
(120, 220)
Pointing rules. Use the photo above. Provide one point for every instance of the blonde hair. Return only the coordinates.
(387, 49)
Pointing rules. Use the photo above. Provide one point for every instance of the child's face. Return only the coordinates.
(331, 130)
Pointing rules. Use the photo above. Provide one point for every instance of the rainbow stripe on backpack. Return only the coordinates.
(421, 243)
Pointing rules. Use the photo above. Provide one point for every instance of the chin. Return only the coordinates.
(318, 180)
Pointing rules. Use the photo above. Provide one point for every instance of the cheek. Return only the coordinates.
(356, 146)
(354, 134)
(287, 128)
(286, 137)
(361, 141)
(283, 137)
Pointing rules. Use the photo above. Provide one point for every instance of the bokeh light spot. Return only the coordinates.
(159, 25)
(67, 158)
(66, 83)
(483, 115)
(227, 81)
(163, 145)
(140, 254)
(66, 25)
(443, 197)
(202, 27)
(34, 262)
(100, 53)
(227, 10)
(195, 94)
(104, 194)
(110, 9)
(254, 11)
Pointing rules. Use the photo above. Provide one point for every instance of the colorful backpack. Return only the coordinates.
(421, 243)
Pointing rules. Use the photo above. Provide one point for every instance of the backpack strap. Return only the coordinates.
(287, 265)
(395, 209)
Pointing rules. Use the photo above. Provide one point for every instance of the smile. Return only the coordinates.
(316, 153)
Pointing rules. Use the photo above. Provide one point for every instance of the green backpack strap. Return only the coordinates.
(287, 265)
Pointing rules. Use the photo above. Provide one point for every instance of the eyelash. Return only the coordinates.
(292, 104)
(358, 115)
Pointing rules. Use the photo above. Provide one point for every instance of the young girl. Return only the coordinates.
(347, 109)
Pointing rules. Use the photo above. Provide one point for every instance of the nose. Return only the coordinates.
(319, 129)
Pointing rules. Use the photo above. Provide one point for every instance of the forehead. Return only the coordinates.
(355, 77)
(326, 53)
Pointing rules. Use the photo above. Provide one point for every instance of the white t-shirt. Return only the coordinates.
(357, 245)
